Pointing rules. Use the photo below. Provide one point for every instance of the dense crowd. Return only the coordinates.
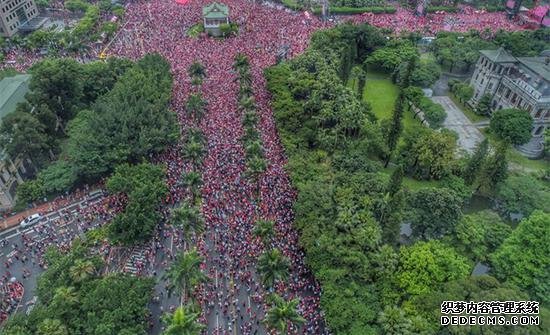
(466, 19)
(234, 294)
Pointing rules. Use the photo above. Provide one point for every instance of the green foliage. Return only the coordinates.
(425, 73)
(436, 212)
(76, 5)
(433, 112)
(425, 265)
(523, 258)
(483, 106)
(273, 267)
(462, 90)
(86, 24)
(57, 178)
(457, 50)
(282, 313)
(523, 194)
(144, 186)
(394, 53)
(494, 170)
(428, 154)
(129, 123)
(229, 29)
(513, 125)
(183, 322)
(480, 234)
(475, 162)
(185, 274)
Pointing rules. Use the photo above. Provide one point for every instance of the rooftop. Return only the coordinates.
(499, 55)
(538, 65)
(215, 10)
(12, 92)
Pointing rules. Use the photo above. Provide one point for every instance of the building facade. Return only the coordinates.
(214, 15)
(12, 172)
(516, 82)
(14, 13)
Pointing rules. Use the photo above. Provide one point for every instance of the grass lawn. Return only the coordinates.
(517, 161)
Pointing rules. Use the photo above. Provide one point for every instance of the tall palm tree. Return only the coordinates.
(248, 103)
(195, 106)
(283, 313)
(185, 274)
(254, 149)
(182, 322)
(82, 270)
(189, 219)
(241, 61)
(256, 166)
(264, 229)
(250, 119)
(64, 301)
(196, 70)
(193, 151)
(195, 135)
(193, 181)
(273, 266)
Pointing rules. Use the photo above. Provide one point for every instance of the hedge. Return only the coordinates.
(356, 10)
(448, 9)
(291, 4)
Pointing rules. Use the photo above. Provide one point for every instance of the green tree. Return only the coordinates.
(273, 266)
(475, 162)
(197, 71)
(195, 106)
(264, 229)
(480, 234)
(52, 327)
(183, 322)
(394, 321)
(483, 106)
(145, 187)
(425, 265)
(524, 257)
(82, 270)
(513, 125)
(494, 171)
(185, 274)
(58, 84)
(193, 181)
(393, 54)
(436, 212)
(282, 314)
(189, 218)
(59, 177)
(523, 194)
(193, 151)
(22, 134)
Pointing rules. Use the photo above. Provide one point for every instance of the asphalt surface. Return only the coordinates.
(468, 134)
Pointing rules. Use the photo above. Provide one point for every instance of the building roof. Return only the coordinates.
(538, 65)
(215, 11)
(12, 92)
(499, 56)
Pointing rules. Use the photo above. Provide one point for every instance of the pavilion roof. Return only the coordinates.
(215, 10)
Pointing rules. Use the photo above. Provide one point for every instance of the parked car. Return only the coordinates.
(30, 220)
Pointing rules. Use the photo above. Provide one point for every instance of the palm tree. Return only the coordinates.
(273, 266)
(182, 322)
(250, 119)
(196, 71)
(193, 181)
(256, 166)
(254, 149)
(195, 135)
(195, 106)
(51, 327)
(64, 301)
(248, 103)
(283, 313)
(241, 61)
(82, 270)
(189, 219)
(185, 274)
(193, 151)
(264, 229)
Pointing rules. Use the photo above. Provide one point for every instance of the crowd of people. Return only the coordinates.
(466, 19)
(11, 293)
(234, 297)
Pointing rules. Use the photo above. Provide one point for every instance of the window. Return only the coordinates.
(490, 86)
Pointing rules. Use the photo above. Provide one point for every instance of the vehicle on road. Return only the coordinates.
(30, 220)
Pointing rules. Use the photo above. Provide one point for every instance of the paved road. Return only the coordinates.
(468, 134)
(56, 227)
